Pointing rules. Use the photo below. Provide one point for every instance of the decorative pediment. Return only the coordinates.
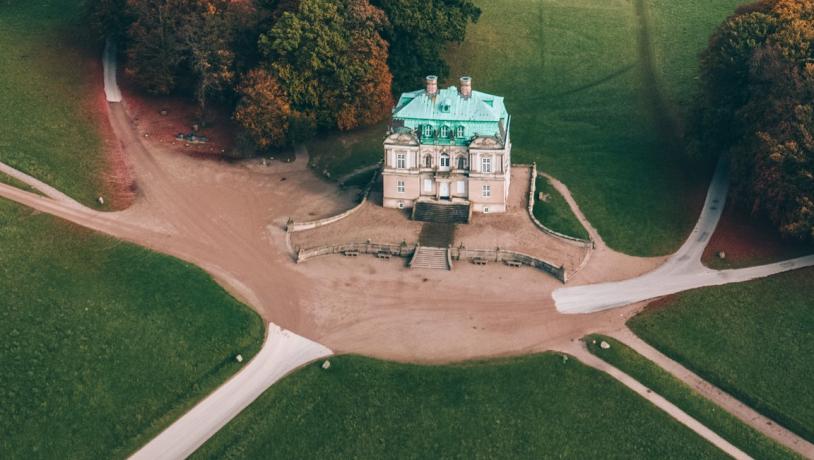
(486, 142)
(402, 138)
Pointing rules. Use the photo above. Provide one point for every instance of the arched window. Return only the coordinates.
(428, 161)
(444, 160)
(427, 131)
(461, 162)
(459, 131)
(444, 132)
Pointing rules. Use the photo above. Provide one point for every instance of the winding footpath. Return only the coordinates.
(682, 272)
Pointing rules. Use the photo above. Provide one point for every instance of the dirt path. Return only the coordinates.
(743, 412)
(578, 350)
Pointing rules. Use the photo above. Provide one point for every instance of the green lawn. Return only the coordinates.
(102, 344)
(47, 121)
(531, 407)
(713, 417)
(755, 340)
(341, 154)
(555, 213)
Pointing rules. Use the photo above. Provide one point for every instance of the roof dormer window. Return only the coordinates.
(444, 132)
(459, 131)
(427, 131)
(445, 106)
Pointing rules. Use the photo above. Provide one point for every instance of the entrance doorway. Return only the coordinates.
(443, 190)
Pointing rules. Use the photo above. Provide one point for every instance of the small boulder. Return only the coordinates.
(721, 255)
(239, 358)
(326, 364)
(101, 200)
(604, 345)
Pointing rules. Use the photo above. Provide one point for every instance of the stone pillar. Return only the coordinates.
(432, 85)
(466, 87)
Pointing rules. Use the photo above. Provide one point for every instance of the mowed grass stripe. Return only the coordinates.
(539, 406)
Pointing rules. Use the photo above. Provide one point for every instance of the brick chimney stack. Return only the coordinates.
(432, 85)
(466, 86)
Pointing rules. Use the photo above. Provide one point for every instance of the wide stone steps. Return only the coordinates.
(441, 213)
(430, 258)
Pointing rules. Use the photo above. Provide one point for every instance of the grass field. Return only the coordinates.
(713, 417)
(754, 340)
(555, 213)
(532, 407)
(102, 344)
(47, 124)
(341, 154)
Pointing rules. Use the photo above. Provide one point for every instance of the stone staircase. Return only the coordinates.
(430, 258)
(451, 213)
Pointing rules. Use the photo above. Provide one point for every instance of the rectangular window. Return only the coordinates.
(401, 161)
(486, 165)
(486, 191)
(428, 185)
(400, 186)
(461, 187)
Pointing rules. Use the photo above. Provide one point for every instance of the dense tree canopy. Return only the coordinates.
(758, 107)
(306, 64)
(332, 60)
(418, 33)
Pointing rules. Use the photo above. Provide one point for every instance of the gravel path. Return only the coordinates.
(282, 353)
(740, 410)
(682, 272)
(578, 350)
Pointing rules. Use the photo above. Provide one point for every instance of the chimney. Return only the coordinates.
(432, 85)
(466, 87)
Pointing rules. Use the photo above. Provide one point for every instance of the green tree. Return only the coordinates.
(757, 106)
(418, 34)
(332, 61)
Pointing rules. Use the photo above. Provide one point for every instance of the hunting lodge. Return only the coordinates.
(448, 147)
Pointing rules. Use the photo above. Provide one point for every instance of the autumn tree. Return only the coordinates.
(332, 61)
(266, 114)
(419, 32)
(757, 106)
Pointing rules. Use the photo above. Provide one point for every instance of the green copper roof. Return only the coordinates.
(448, 105)
(449, 118)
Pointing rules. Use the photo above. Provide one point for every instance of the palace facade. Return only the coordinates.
(448, 146)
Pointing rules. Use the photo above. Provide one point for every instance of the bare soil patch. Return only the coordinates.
(748, 240)
(179, 115)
